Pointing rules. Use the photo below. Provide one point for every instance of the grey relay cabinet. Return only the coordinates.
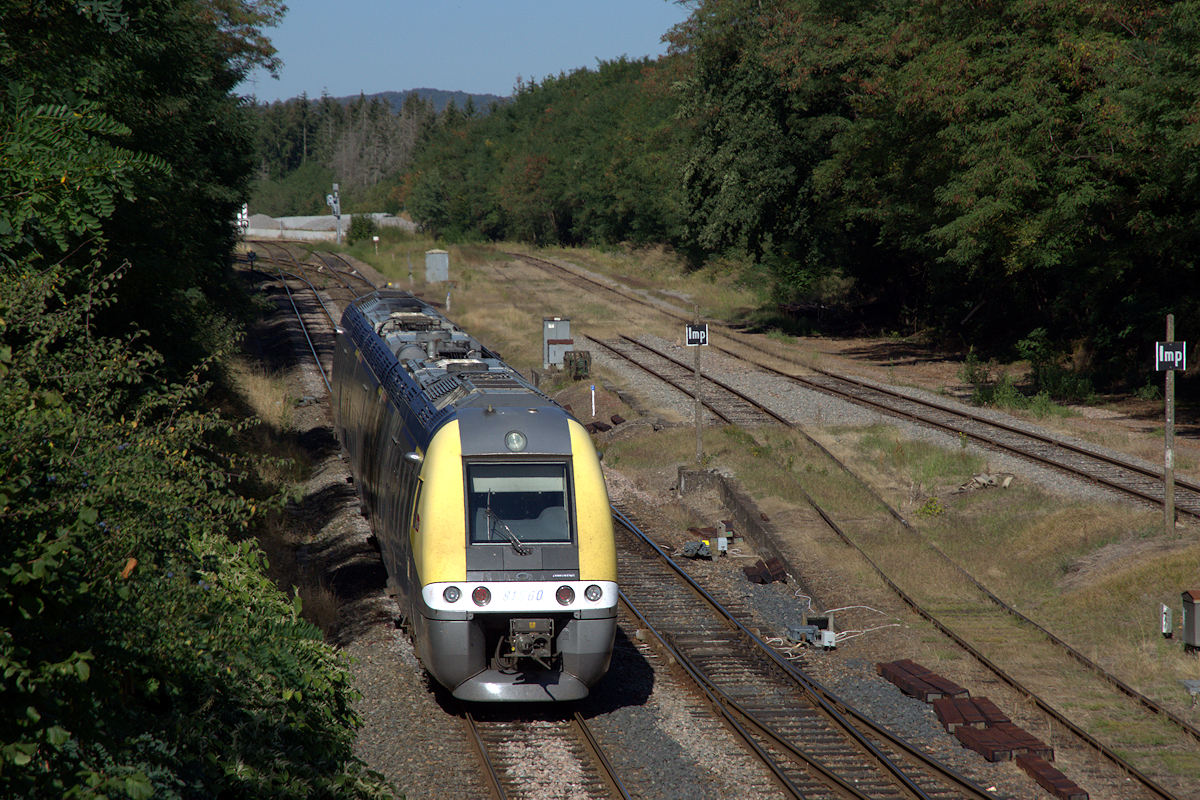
(1191, 620)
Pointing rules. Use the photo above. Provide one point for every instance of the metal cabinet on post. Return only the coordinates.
(1191, 620)
(556, 340)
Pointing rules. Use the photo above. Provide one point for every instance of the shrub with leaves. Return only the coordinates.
(143, 652)
(362, 226)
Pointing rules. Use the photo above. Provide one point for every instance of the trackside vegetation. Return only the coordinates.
(982, 170)
(984, 174)
(143, 651)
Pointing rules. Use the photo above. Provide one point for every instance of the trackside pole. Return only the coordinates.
(695, 335)
(1170, 356)
(1169, 443)
(699, 435)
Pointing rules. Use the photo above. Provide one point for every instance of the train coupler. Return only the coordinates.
(531, 638)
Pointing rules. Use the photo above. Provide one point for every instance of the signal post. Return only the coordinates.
(696, 335)
(1169, 356)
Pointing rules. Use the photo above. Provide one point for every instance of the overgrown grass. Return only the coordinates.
(778, 335)
(279, 459)
(1093, 572)
(263, 393)
(717, 289)
(993, 386)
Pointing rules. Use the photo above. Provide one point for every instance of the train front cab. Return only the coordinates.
(529, 640)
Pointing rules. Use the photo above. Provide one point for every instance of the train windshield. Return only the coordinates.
(527, 502)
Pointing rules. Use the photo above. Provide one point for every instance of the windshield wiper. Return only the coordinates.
(495, 522)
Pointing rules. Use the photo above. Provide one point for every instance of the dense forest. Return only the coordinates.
(1015, 178)
(996, 172)
(143, 651)
(365, 144)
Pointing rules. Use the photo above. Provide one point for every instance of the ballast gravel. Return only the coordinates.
(653, 727)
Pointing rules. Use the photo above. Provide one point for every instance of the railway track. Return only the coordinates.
(343, 272)
(814, 744)
(331, 270)
(1107, 696)
(309, 309)
(724, 401)
(967, 626)
(1124, 475)
(1117, 473)
(507, 744)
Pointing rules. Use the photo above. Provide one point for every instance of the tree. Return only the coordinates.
(589, 156)
(143, 652)
(982, 170)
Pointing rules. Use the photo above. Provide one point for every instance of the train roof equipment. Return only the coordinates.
(436, 369)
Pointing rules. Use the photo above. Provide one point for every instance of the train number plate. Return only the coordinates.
(523, 595)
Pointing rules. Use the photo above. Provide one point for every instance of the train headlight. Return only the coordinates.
(451, 594)
(593, 592)
(515, 441)
(481, 595)
(565, 595)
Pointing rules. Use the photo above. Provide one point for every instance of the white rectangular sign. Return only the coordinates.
(1170, 355)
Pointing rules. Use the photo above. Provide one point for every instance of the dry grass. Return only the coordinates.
(280, 459)
(275, 536)
(281, 462)
(264, 394)
(502, 302)
(1092, 573)
(514, 333)
(925, 466)
(646, 456)
(319, 604)
(716, 289)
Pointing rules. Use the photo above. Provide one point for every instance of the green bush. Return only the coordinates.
(1151, 391)
(362, 228)
(1047, 372)
(143, 651)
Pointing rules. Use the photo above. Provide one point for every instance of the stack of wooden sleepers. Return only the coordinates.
(980, 725)
(921, 683)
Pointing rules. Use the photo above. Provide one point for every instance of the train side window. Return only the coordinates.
(530, 501)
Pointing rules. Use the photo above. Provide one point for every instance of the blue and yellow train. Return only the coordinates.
(488, 503)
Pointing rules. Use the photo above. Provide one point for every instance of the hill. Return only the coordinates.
(439, 98)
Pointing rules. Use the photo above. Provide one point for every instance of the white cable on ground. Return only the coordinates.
(789, 651)
(868, 608)
(852, 634)
(801, 595)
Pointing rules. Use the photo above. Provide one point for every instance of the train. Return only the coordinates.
(487, 501)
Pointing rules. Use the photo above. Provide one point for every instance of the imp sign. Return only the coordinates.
(1170, 355)
(696, 335)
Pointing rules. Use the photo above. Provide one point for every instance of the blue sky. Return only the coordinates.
(478, 46)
